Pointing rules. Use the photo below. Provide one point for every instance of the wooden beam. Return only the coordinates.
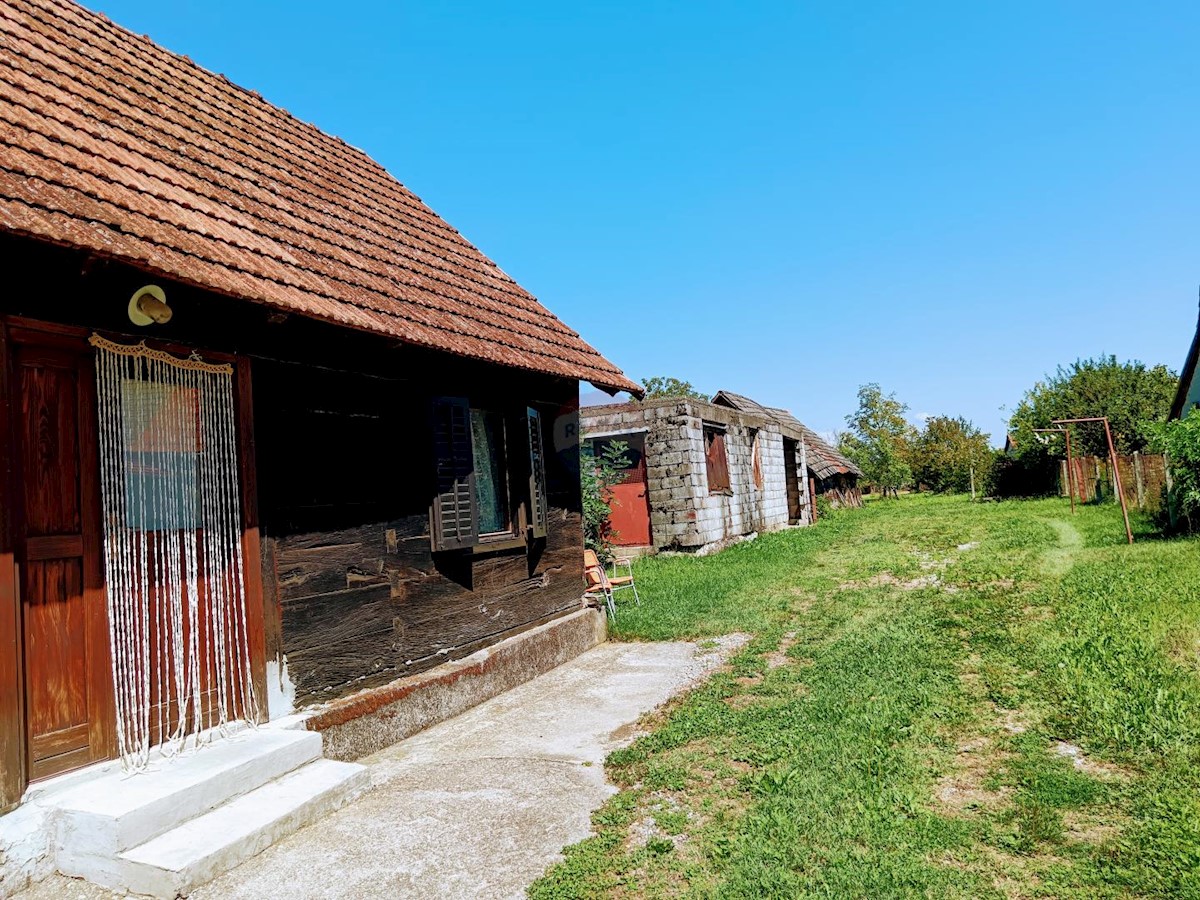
(256, 615)
(12, 688)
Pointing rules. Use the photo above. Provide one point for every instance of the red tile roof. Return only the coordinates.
(111, 144)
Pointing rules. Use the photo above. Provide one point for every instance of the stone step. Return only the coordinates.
(173, 864)
(101, 817)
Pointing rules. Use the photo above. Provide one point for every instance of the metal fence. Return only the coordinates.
(1143, 479)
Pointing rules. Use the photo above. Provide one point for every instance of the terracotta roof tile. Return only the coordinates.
(112, 144)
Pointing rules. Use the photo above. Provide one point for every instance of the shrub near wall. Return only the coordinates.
(1180, 441)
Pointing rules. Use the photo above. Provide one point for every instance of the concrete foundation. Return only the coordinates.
(370, 720)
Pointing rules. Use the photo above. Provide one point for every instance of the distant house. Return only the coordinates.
(271, 431)
(703, 475)
(829, 474)
(1187, 395)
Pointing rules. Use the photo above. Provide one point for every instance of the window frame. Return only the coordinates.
(455, 500)
(505, 471)
(716, 468)
(756, 463)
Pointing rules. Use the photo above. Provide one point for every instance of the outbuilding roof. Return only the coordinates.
(113, 145)
(823, 460)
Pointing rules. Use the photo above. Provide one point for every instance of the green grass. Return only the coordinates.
(909, 742)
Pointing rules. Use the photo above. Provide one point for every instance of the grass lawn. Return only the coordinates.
(941, 699)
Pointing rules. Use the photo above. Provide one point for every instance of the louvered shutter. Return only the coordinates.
(454, 520)
(539, 507)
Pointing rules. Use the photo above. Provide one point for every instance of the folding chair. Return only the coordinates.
(597, 582)
(623, 582)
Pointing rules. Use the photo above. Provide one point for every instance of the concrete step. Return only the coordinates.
(173, 864)
(104, 816)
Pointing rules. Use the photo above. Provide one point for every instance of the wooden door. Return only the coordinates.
(790, 467)
(630, 501)
(64, 628)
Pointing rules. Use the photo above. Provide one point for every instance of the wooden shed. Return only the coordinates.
(272, 430)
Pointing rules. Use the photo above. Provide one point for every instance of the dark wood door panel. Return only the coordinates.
(55, 646)
(49, 444)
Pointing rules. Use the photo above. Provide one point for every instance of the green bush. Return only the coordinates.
(597, 476)
(1180, 441)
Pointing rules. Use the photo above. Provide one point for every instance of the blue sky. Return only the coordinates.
(782, 199)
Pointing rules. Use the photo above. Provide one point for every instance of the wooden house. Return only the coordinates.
(272, 431)
(1187, 395)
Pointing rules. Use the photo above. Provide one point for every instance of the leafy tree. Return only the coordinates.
(661, 386)
(597, 475)
(879, 439)
(947, 451)
(1131, 394)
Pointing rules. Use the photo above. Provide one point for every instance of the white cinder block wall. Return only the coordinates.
(684, 513)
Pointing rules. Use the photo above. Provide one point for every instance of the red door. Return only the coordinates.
(630, 503)
(68, 688)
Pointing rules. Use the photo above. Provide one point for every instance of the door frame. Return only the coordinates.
(12, 657)
(14, 763)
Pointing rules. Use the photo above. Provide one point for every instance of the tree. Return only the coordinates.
(1131, 394)
(660, 387)
(949, 453)
(879, 439)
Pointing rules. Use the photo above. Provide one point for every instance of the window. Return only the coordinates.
(161, 429)
(491, 472)
(490, 476)
(756, 458)
(716, 459)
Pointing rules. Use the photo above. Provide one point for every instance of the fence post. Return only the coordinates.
(1170, 490)
(1139, 480)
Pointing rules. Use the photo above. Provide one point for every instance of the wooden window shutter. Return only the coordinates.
(539, 505)
(454, 519)
(717, 460)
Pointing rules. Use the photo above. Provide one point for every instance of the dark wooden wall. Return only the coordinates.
(345, 480)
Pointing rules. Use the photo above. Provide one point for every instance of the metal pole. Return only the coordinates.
(1066, 433)
(1070, 469)
(1112, 457)
(1112, 454)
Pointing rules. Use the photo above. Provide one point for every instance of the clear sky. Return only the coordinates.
(781, 199)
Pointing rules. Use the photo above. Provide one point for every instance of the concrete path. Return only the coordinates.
(478, 806)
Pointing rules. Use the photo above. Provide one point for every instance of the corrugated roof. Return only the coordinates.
(114, 145)
(823, 460)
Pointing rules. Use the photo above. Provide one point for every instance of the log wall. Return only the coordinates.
(345, 479)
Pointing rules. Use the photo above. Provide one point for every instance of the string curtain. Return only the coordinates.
(172, 549)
